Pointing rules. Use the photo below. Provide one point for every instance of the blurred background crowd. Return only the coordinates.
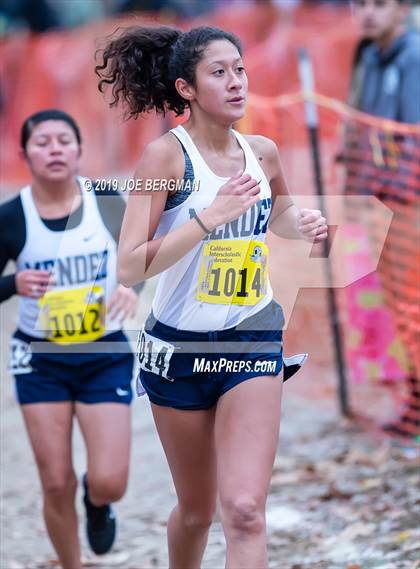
(42, 15)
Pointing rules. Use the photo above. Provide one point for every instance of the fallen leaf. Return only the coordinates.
(282, 478)
(403, 536)
(334, 492)
(370, 483)
(109, 560)
(356, 530)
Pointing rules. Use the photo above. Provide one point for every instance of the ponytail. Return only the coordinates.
(136, 65)
(142, 65)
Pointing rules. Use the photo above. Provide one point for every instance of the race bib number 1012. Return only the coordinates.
(73, 315)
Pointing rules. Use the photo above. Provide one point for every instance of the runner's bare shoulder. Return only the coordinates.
(163, 158)
(265, 151)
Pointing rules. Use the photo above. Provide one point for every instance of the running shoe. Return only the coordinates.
(101, 525)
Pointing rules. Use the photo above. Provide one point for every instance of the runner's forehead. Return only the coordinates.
(52, 128)
(220, 51)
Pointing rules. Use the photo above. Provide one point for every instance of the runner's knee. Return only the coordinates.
(197, 519)
(243, 515)
(57, 485)
(106, 488)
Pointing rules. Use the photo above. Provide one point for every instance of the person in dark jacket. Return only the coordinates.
(390, 87)
(386, 83)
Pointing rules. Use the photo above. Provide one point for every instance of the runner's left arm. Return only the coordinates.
(284, 214)
(286, 219)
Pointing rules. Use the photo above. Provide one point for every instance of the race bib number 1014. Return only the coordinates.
(154, 355)
(233, 272)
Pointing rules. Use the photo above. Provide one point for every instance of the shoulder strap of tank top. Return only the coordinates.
(187, 142)
(91, 213)
(249, 153)
(30, 210)
(26, 197)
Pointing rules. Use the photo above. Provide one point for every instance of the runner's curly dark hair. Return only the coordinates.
(143, 63)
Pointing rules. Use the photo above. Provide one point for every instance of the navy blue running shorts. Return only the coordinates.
(191, 370)
(86, 375)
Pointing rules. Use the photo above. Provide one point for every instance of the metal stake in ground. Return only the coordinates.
(312, 122)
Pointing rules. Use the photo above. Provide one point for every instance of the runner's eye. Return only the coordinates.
(218, 72)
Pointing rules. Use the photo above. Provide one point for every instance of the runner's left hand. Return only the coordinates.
(312, 225)
(123, 303)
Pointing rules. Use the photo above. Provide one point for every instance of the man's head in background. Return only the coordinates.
(380, 20)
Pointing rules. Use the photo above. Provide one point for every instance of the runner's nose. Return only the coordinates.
(55, 147)
(234, 82)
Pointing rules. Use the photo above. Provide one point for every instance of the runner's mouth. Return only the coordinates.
(56, 164)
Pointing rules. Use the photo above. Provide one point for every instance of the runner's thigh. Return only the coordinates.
(49, 427)
(188, 441)
(247, 430)
(106, 428)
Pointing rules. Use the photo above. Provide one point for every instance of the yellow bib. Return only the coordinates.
(233, 272)
(73, 316)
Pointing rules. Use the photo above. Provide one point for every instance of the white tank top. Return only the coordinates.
(78, 257)
(203, 291)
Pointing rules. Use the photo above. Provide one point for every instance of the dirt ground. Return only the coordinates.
(342, 496)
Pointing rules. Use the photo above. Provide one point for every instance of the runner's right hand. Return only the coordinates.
(32, 282)
(233, 199)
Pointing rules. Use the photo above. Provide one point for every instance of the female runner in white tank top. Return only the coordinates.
(69, 356)
(213, 325)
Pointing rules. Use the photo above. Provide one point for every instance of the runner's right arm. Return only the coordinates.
(13, 237)
(12, 241)
(140, 256)
(27, 282)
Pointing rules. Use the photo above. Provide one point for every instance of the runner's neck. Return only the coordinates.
(54, 200)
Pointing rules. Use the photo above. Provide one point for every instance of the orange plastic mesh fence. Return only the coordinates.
(385, 163)
(381, 159)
